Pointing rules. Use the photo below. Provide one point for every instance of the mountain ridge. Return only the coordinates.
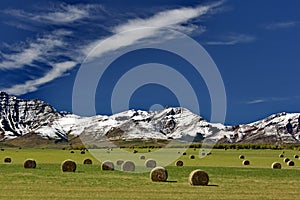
(19, 117)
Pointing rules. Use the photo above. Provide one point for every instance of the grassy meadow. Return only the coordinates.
(229, 179)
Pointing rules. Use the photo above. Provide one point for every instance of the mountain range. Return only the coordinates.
(20, 118)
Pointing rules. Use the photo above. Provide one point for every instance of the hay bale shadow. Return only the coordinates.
(167, 181)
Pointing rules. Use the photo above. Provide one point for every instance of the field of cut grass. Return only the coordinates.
(229, 179)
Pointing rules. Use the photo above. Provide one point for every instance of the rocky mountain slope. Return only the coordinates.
(20, 117)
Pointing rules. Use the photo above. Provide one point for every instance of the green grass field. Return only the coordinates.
(229, 179)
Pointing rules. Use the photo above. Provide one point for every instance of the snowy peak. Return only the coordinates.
(269, 130)
(171, 123)
(18, 117)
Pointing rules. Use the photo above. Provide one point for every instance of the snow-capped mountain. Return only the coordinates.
(269, 130)
(20, 117)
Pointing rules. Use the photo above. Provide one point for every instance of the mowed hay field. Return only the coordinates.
(228, 177)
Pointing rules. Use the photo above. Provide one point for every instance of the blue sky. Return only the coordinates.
(254, 44)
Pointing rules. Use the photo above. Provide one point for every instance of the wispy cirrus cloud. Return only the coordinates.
(34, 50)
(169, 18)
(48, 48)
(268, 99)
(232, 39)
(281, 25)
(20, 25)
(177, 19)
(60, 14)
(58, 69)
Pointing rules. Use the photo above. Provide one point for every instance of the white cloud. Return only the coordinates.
(166, 19)
(233, 40)
(61, 14)
(34, 51)
(256, 101)
(21, 25)
(66, 14)
(58, 69)
(281, 25)
(46, 49)
(268, 99)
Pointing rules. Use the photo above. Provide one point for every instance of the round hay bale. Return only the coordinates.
(158, 174)
(142, 157)
(82, 152)
(119, 162)
(192, 157)
(150, 163)
(72, 152)
(29, 163)
(68, 166)
(2, 149)
(296, 156)
(291, 163)
(198, 177)
(242, 157)
(128, 166)
(281, 155)
(87, 161)
(107, 165)
(179, 163)
(7, 160)
(184, 153)
(286, 160)
(246, 162)
(276, 165)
